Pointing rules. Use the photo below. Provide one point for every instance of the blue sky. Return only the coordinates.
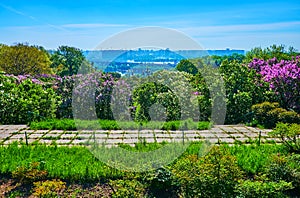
(213, 24)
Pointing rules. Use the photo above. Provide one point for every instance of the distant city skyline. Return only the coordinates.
(213, 24)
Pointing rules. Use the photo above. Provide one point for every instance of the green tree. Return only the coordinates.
(235, 56)
(278, 51)
(24, 59)
(187, 66)
(242, 90)
(68, 60)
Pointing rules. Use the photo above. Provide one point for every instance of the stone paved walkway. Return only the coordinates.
(217, 134)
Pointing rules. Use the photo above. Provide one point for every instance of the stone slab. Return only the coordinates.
(236, 135)
(221, 135)
(60, 141)
(68, 136)
(35, 136)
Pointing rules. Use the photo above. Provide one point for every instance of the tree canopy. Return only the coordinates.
(66, 61)
(187, 66)
(24, 59)
(278, 51)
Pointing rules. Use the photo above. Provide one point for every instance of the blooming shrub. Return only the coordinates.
(283, 78)
(92, 96)
(92, 91)
(24, 99)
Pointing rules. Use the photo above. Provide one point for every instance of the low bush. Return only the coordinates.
(289, 134)
(48, 188)
(261, 113)
(253, 159)
(53, 124)
(268, 114)
(253, 189)
(289, 117)
(161, 183)
(127, 188)
(29, 173)
(214, 175)
(279, 169)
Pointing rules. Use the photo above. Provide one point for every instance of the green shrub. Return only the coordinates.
(109, 125)
(274, 115)
(53, 124)
(171, 125)
(262, 115)
(162, 183)
(204, 125)
(253, 189)
(289, 117)
(48, 188)
(289, 134)
(150, 93)
(285, 168)
(28, 174)
(127, 188)
(268, 114)
(214, 175)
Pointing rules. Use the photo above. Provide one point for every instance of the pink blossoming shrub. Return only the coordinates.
(283, 78)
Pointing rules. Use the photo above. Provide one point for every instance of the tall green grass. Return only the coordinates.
(70, 124)
(70, 163)
(253, 158)
(79, 164)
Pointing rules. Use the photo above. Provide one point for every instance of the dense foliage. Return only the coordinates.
(24, 99)
(187, 66)
(23, 59)
(268, 114)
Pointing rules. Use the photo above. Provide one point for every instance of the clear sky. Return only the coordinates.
(215, 24)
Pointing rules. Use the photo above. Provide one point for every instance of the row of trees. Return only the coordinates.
(248, 79)
(23, 59)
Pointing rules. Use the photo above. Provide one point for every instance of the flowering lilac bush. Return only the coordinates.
(24, 99)
(92, 95)
(283, 78)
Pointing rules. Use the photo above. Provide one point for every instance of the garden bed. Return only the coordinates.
(268, 170)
